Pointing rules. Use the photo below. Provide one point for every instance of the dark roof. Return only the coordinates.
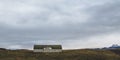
(44, 46)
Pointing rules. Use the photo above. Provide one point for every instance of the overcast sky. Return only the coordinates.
(72, 23)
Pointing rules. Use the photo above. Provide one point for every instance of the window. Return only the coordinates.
(47, 48)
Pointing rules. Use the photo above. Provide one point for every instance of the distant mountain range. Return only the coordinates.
(114, 46)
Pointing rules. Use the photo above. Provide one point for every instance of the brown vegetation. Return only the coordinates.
(84, 54)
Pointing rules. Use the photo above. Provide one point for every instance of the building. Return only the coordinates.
(47, 48)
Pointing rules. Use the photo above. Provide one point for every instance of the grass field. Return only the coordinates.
(83, 54)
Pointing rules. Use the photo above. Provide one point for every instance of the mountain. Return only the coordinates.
(115, 46)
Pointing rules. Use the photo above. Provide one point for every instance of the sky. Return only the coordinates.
(75, 24)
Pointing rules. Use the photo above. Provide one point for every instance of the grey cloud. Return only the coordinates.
(57, 22)
(104, 19)
(107, 15)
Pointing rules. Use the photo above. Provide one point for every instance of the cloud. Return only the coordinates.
(100, 41)
(25, 21)
(26, 13)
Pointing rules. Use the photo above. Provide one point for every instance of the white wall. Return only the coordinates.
(52, 50)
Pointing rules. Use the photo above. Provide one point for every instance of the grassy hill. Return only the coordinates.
(84, 54)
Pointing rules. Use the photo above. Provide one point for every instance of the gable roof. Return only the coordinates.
(44, 46)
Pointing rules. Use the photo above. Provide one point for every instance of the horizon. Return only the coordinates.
(32, 48)
(75, 24)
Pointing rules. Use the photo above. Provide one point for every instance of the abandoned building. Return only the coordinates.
(47, 48)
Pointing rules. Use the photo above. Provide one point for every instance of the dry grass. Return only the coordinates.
(85, 54)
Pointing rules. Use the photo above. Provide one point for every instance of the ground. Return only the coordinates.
(82, 54)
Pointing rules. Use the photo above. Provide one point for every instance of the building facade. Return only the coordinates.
(47, 48)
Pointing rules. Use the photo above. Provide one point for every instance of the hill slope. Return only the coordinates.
(84, 54)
